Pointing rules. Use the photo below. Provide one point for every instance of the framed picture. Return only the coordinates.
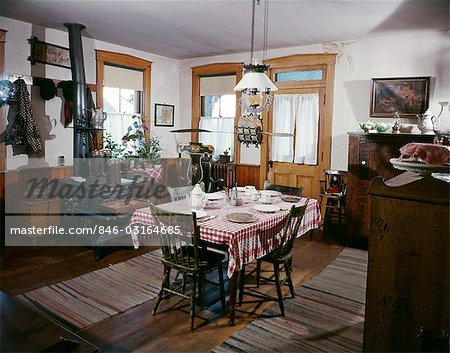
(164, 114)
(406, 95)
(45, 53)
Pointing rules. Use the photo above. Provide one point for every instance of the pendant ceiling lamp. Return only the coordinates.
(256, 85)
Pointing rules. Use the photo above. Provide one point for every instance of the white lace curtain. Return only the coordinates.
(117, 125)
(221, 136)
(297, 113)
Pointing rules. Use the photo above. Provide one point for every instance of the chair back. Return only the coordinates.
(334, 183)
(286, 190)
(179, 238)
(287, 230)
(179, 193)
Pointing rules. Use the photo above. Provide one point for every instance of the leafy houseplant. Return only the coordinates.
(151, 150)
(117, 151)
(134, 139)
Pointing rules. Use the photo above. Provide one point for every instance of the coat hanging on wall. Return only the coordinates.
(22, 131)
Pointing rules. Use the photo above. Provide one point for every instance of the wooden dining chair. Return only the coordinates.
(284, 233)
(286, 190)
(179, 193)
(182, 253)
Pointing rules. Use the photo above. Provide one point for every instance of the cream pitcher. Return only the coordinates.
(98, 118)
(425, 122)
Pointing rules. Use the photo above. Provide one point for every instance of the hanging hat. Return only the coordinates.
(67, 88)
(47, 89)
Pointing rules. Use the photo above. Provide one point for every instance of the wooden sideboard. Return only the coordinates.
(368, 157)
(408, 269)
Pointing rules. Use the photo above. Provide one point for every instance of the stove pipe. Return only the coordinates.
(81, 135)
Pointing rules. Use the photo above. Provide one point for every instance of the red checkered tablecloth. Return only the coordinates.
(243, 241)
(153, 173)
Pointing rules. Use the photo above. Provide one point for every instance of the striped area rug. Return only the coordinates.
(327, 314)
(87, 299)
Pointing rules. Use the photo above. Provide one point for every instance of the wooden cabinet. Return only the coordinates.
(368, 157)
(408, 269)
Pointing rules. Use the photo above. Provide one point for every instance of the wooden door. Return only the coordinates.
(292, 174)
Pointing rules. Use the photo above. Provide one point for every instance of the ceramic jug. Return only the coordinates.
(441, 124)
(425, 121)
(198, 198)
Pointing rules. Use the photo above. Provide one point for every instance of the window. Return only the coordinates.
(122, 98)
(217, 113)
(298, 113)
(123, 92)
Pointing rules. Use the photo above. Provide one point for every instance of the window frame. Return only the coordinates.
(130, 62)
(217, 69)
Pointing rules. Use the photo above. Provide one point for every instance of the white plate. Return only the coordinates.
(214, 196)
(270, 192)
(421, 168)
(240, 189)
(241, 217)
(267, 208)
(200, 213)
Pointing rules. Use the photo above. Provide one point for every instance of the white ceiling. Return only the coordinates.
(195, 28)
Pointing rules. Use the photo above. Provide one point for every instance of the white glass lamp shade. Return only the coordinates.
(255, 80)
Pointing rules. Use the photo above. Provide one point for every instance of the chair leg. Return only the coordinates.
(194, 287)
(258, 272)
(184, 283)
(288, 270)
(200, 289)
(241, 284)
(221, 288)
(164, 284)
(276, 270)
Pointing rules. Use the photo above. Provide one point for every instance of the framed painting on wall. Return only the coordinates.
(406, 95)
(164, 114)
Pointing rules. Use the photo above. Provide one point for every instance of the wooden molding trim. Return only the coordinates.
(305, 59)
(122, 59)
(126, 60)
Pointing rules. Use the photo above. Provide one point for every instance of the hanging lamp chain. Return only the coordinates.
(266, 28)
(253, 29)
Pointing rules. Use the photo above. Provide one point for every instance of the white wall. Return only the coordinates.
(164, 85)
(418, 54)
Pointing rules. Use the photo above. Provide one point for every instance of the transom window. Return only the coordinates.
(306, 75)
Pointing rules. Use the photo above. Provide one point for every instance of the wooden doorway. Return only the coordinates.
(302, 74)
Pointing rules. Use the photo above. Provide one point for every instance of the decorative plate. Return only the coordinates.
(421, 168)
(241, 217)
(200, 213)
(214, 196)
(292, 199)
(267, 208)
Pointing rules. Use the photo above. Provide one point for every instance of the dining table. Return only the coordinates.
(240, 240)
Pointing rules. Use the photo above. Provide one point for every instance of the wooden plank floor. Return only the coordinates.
(24, 269)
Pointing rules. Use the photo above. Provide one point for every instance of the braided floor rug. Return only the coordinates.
(85, 300)
(327, 314)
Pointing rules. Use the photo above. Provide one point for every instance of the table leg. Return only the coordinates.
(232, 295)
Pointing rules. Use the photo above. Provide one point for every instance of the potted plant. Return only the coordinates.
(151, 151)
